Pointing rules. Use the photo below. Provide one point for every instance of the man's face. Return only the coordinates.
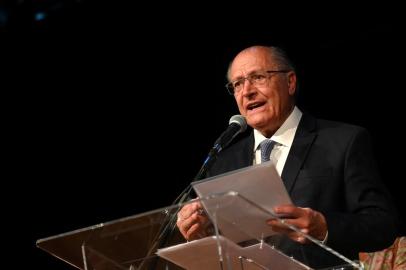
(265, 106)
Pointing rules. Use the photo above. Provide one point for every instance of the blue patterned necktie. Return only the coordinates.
(266, 149)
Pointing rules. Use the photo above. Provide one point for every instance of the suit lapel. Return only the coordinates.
(246, 153)
(235, 156)
(304, 139)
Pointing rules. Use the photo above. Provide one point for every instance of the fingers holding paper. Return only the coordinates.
(192, 221)
(307, 220)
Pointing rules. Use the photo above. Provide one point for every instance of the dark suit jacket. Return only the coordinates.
(330, 168)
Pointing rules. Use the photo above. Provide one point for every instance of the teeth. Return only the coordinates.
(253, 106)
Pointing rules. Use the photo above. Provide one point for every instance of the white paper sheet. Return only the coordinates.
(239, 219)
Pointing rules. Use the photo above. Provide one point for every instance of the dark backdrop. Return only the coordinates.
(95, 89)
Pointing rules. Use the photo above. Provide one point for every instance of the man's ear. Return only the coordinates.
(292, 82)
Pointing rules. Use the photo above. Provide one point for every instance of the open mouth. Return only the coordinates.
(255, 105)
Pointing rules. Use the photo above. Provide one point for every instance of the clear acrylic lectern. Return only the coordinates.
(237, 238)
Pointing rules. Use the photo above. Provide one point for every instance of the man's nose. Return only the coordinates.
(248, 88)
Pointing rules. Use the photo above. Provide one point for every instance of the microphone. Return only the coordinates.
(236, 125)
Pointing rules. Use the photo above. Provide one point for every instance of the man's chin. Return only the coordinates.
(256, 122)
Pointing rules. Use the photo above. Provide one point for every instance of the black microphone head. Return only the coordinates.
(239, 120)
(236, 125)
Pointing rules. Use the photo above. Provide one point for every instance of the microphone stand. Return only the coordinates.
(169, 223)
(237, 124)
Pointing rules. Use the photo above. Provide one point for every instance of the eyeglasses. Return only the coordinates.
(256, 79)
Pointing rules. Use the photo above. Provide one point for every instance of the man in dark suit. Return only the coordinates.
(327, 167)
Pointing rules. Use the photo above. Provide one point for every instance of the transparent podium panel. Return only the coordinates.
(245, 223)
(127, 243)
(235, 236)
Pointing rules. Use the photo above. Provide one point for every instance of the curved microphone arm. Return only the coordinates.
(237, 124)
(184, 196)
(169, 223)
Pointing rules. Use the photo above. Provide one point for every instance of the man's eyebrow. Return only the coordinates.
(249, 74)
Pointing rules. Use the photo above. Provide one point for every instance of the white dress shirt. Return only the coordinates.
(283, 137)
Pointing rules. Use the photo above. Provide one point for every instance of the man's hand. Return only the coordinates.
(193, 222)
(306, 220)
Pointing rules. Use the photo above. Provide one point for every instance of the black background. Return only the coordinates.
(94, 89)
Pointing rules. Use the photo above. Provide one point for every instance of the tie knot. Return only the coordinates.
(266, 149)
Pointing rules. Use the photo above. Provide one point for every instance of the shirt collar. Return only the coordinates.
(285, 134)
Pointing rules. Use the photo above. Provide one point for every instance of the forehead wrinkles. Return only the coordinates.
(248, 63)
